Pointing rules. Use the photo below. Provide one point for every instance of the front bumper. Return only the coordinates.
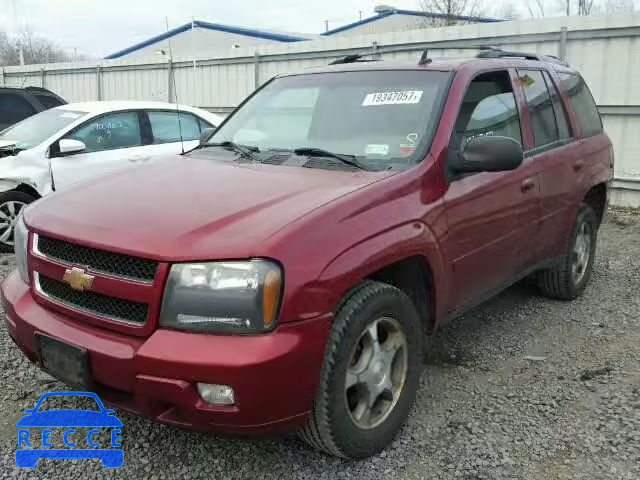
(274, 376)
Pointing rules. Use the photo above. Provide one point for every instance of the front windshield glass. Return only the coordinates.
(385, 119)
(35, 130)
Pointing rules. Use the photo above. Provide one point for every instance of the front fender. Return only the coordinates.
(370, 255)
(26, 168)
(7, 184)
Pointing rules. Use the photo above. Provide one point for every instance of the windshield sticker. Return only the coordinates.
(406, 150)
(376, 149)
(70, 115)
(392, 98)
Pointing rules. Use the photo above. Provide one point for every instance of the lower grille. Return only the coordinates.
(94, 303)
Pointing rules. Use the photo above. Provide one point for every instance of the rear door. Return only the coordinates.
(173, 132)
(492, 216)
(113, 141)
(552, 153)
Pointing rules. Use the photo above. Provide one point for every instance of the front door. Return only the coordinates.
(113, 141)
(492, 216)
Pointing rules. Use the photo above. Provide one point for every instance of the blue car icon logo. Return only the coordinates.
(63, 432)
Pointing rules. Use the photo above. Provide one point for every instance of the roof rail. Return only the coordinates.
(37, 89)
(554, 59)
(356, 57)
(494, 52)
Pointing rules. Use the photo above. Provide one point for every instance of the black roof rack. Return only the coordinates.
(494, 52)
(37, 89)
(356, 57)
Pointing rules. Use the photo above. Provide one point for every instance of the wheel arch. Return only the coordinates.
(407, 257)
(596, 198)
(7, 185)
(412, 275)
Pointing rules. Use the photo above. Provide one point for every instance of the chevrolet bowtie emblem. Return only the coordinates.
(77, 279)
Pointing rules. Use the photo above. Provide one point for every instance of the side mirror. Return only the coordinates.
(205, 134)
(68, 145)
(488, 154)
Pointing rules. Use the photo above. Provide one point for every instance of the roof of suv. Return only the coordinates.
(438, 64)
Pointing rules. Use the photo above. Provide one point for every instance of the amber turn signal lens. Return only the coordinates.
(270, 297)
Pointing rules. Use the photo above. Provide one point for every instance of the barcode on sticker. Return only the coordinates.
(392, 98)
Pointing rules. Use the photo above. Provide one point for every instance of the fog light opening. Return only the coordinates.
(216, 394)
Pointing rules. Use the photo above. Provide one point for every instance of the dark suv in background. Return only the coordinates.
(16, 104)
(285, 274)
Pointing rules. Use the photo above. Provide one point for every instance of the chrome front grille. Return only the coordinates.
(93, 303)
(100, 261)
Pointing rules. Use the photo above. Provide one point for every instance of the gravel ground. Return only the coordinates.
(522, 387)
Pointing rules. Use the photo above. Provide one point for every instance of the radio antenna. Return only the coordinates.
(175, 89)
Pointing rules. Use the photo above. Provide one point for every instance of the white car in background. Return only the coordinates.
(74, 142)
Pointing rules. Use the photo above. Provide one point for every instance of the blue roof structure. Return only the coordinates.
(288, 38)
(414, 13)
(248, 32)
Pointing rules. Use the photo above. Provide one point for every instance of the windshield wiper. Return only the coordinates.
(12, 148)
(319, 152)
(243, 150)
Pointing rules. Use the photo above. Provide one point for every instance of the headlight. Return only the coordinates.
(20, 239)
(224, 297)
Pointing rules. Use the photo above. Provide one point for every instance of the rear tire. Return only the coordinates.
(11, 203)
(370, 373)
(569, 278)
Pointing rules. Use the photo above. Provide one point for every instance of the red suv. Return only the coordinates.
(284, 275)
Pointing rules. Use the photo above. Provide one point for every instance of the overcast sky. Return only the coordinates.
(100, 27)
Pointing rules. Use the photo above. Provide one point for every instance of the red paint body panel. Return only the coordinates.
(156, 376)
(328, 229)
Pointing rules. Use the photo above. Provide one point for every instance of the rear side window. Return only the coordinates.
(14, 108)
(488, 109)
(168, 126)
(561, 115)
(49, 101)
(582, 103)
(543, 119)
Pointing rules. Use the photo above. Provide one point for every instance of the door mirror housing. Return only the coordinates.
(69, 145)
(488, 154)
(205, 134)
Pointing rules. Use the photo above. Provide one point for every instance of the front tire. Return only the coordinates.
(569, 278)
(11, 203)
(370, 374)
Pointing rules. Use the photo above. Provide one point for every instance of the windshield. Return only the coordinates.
(35, 130)
(385, 119)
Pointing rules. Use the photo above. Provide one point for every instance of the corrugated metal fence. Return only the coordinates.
(605, 49)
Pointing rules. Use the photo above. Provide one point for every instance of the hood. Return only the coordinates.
(189, 208)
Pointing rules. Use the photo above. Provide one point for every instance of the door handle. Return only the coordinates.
(578, 165)
(527, 184)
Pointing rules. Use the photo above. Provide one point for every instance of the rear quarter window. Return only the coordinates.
(582, 103)
(49, 101)
(14, 108)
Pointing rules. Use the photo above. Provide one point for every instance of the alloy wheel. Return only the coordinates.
(581, 252)
(9, 212)
(376, 373)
